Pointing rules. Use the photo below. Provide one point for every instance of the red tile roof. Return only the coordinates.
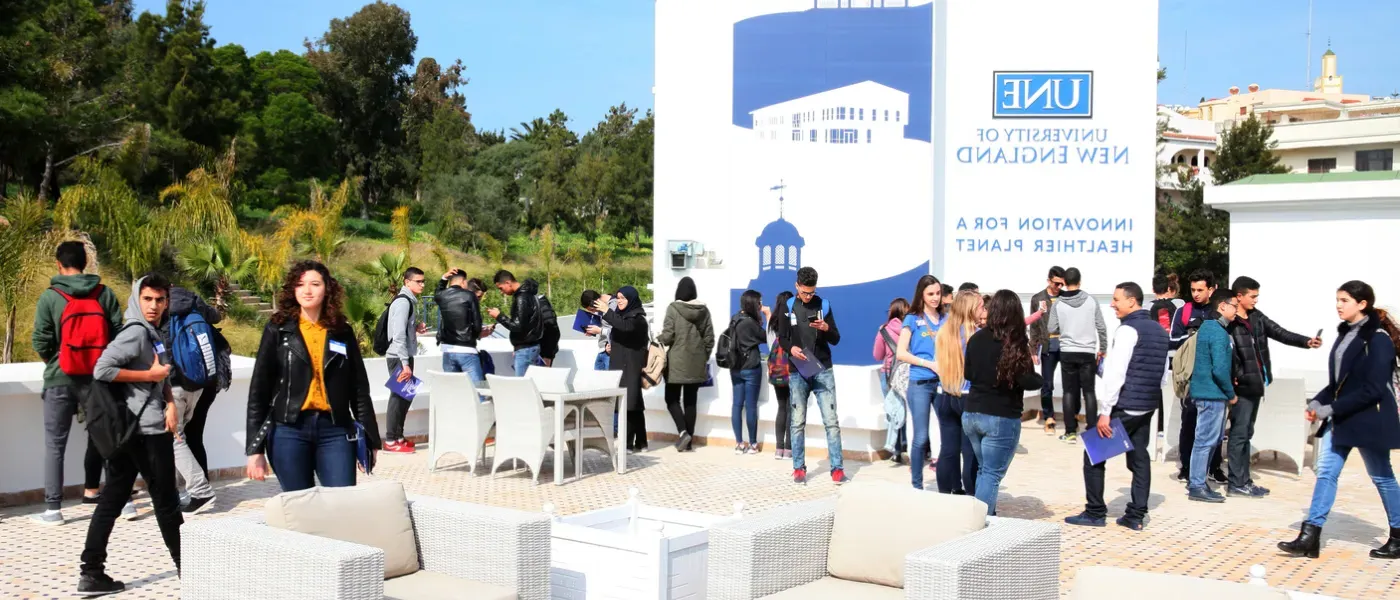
(1188, 136)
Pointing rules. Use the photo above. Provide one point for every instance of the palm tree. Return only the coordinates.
(361, 312)
(217, 262)
(529, 132)
(386, 271)
(22, 246)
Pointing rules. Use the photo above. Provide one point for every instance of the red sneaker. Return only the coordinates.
(839, 476)
(397, 448)
(410, 444)
(799, 476)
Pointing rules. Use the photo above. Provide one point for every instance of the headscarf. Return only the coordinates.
(685, 290)
(634, 301)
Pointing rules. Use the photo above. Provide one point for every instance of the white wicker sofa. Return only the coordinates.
(884, 540)
(368, 542)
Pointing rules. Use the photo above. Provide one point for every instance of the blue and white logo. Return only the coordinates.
(1043, 95)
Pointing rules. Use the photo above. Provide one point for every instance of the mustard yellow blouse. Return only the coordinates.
(314, 334)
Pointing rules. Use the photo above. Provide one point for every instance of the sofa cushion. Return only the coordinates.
(877, 524)
(1110, 582)
(374, 514)
(429, 585)
(831, 588)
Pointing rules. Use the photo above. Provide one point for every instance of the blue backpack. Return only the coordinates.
(826, 308)
(194, 351)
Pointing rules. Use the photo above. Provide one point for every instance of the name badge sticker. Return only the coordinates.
(160, 348)
(337, 347)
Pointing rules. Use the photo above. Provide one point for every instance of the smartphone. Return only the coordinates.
(1042, 305)
(811, 318)
(1319, 334)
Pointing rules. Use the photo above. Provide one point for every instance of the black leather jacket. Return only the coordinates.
(283, 372)
(524, 322)
(461, 316)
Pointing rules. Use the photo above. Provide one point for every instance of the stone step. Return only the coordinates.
(266, 313)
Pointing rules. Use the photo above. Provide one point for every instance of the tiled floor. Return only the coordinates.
(1044, 483)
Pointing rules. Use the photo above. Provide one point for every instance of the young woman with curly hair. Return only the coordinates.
(309, 388)
(998, 366)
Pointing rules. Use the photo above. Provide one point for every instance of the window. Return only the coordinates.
(792, 257)
(867, 136)
(778, 258)
(767, 257)
(1374, 160)
(797, 135)
(841, 113)
(862, 114)
(1322, 165)
(814, 135)
(896, 116)
(887, 115)
(1244, 110)
(796, 119)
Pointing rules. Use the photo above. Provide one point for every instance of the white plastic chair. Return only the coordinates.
(550, 380)
(524, 425)
(458, 421)
(602, 410)
(1281, 426)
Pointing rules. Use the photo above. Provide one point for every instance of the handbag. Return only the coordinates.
(655, 366)
(779, 369)
(898, 377)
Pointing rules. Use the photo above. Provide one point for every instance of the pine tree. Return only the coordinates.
(1245, 149)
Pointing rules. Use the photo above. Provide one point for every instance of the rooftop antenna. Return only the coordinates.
(1309, 36)
(779, 188)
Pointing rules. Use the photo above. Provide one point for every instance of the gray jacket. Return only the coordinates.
(1076, 317)
(403, 330)
(134, 349)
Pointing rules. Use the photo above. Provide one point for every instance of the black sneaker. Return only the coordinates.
(1085, 520)
(1204, 494)
(1219, 477)
(1248, 490)
(1133, 524)
(91, 586)
(92, 499)
(197, 504)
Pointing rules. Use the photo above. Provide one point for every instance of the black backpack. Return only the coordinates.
(727, 354)
(381, 327)
(110, 423)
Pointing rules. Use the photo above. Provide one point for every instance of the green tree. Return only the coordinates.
(23, 244)
(217, 262)
(1190, 234)
(386, 272)
(362, 61)
(470, 206)
(1245, 149)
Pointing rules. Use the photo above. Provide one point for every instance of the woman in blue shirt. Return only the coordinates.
(916, 347)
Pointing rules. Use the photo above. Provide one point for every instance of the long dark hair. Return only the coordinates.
(899, 308)
(917, 306)
(1361, 291)
(1007, 323)
(289, 310)
(751, 303)
(779, 306)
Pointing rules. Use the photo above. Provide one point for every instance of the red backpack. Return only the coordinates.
(83, 333)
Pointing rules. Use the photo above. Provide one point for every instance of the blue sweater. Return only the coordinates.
(1210, 378)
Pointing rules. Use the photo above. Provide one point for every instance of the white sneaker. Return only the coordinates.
(129, 511)
(50, 518)
(740, 449)
(752, 449)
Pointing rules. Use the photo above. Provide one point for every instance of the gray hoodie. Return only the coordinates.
(135, 350)
(1076, 317)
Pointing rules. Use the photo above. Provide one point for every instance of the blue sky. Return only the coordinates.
(527, 57)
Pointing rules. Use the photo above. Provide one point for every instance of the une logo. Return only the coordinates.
(1043, 95)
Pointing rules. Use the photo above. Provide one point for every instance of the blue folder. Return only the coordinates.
(806, 368)
(407, 389)
(583, 319)
(1101, 449)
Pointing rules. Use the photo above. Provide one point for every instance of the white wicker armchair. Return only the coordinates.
(787, 547)
(459, 545)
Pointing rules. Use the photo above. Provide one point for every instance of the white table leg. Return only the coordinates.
(559, 408)
(578, 443)
(621, 441)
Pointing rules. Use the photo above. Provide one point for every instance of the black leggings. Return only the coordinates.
(781, 427)
(194, 430)
(636, 429)
(680, 401)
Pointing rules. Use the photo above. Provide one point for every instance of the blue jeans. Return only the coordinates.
(1329, 465)
(953, 444)
(1210, 428)
(313, 447)
(994, 442)
(746, 388)
(464, 363)
(921, 395)
(525, 357)
(823, 386)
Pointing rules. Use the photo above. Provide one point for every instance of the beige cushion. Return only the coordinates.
(372, 514)
(877, 524)
(427, 585)
(1109, 582)
(831, 588)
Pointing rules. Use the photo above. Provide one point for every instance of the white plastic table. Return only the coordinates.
(577, 400)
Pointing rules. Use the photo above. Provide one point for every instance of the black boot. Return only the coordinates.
(1308, 543)
(1391, 549)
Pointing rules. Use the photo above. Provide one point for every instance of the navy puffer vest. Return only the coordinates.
(1143, 385)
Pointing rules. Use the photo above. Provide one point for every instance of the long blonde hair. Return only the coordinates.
(948, 346)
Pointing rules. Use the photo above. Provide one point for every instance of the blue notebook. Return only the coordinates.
(1101, 449)
(807, 368)
(583, 319)
(406, 390)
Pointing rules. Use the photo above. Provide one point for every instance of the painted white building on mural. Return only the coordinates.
(861, 113)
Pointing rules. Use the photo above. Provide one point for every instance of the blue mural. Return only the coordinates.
(785, 56)
(860, 308)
